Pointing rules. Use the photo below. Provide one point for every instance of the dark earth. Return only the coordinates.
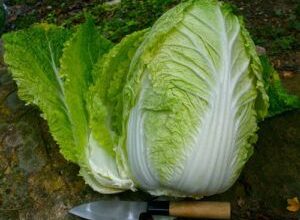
(36, 182)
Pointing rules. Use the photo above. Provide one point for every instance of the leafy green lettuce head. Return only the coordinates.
(192, 101)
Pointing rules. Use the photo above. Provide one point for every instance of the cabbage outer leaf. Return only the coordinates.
(105, 101)
(53, 70)
(33, 57)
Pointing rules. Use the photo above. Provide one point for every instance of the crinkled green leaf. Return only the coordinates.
(80, 54)
(105, 102)
(57, 79)
(33, 58)
(111, 72)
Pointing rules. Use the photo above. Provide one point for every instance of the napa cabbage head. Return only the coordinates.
(193, 98)
(172, 109)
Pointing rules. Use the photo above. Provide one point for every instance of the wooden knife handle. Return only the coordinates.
(194, 209)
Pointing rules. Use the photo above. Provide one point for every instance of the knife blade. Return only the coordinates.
(131, 210)
(110, 210)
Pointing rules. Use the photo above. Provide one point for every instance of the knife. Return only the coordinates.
(131, 210)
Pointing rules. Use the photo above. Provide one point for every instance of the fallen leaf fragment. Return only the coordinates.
(288, 74)
(293, 204)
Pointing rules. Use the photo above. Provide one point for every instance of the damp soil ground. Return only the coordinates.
(36, 182)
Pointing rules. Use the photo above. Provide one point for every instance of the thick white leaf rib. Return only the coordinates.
(101, 171)
(137, 151)
(212, 162)
(106, 167)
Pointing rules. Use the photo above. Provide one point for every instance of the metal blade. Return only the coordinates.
(110, 210)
